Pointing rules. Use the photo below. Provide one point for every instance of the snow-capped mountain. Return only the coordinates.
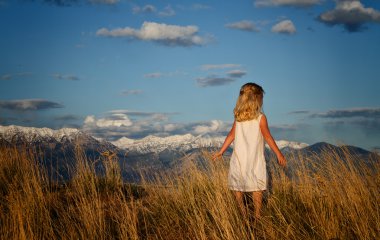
(32, 134)
(158, 144)
(183, 143)
(290, 144)
(148, 144)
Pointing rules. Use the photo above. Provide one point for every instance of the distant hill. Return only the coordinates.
(342, 151)
(59, 147)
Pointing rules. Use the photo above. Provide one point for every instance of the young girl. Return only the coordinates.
(247, 171)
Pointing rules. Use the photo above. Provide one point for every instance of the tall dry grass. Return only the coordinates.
(328, 196)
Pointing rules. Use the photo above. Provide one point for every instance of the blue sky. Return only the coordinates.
(119, 68)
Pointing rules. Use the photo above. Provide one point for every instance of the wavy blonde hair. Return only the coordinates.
(249, 103)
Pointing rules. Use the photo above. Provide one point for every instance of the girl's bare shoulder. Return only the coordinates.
(263, 120)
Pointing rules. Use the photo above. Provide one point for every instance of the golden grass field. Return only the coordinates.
(327, 198)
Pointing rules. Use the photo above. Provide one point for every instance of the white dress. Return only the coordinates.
(247, 171)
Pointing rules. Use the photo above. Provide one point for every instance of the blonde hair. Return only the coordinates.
(249, 103)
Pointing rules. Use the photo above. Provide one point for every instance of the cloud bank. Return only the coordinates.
(67, 117)
(168, 35)
(66, 3)
(236, 73)
(300, 112)
(289, 3)
(208, 127)
(29, 104)
(134, 124)
(212, 81)
(168, 11)
(113, 120)
(351, 14)
(363, 123)
(144, 9)
(349, 113)
(244, 25)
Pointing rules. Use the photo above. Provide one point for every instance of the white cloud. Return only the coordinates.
(134, 124)
(121, 120)
(207, 67)
(68, 3)
(351, 14)
(139, 113)
(284, 27)
(212, 126)
(244, 25)
(293, 3)
(169, 35)
(114, 120)
(89, 120)
(117, 123)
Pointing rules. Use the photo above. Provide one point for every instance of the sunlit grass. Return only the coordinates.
(329, 196)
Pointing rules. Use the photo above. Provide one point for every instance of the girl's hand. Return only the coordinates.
(281, 160)
(216, 155)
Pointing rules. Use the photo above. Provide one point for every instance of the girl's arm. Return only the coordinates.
(269, 139)
(227, 142)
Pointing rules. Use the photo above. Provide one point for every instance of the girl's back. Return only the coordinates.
(247, 165)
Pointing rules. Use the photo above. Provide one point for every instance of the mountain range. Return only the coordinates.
(183, 143)
(155, 153)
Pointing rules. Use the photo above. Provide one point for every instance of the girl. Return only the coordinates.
(247, 172)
